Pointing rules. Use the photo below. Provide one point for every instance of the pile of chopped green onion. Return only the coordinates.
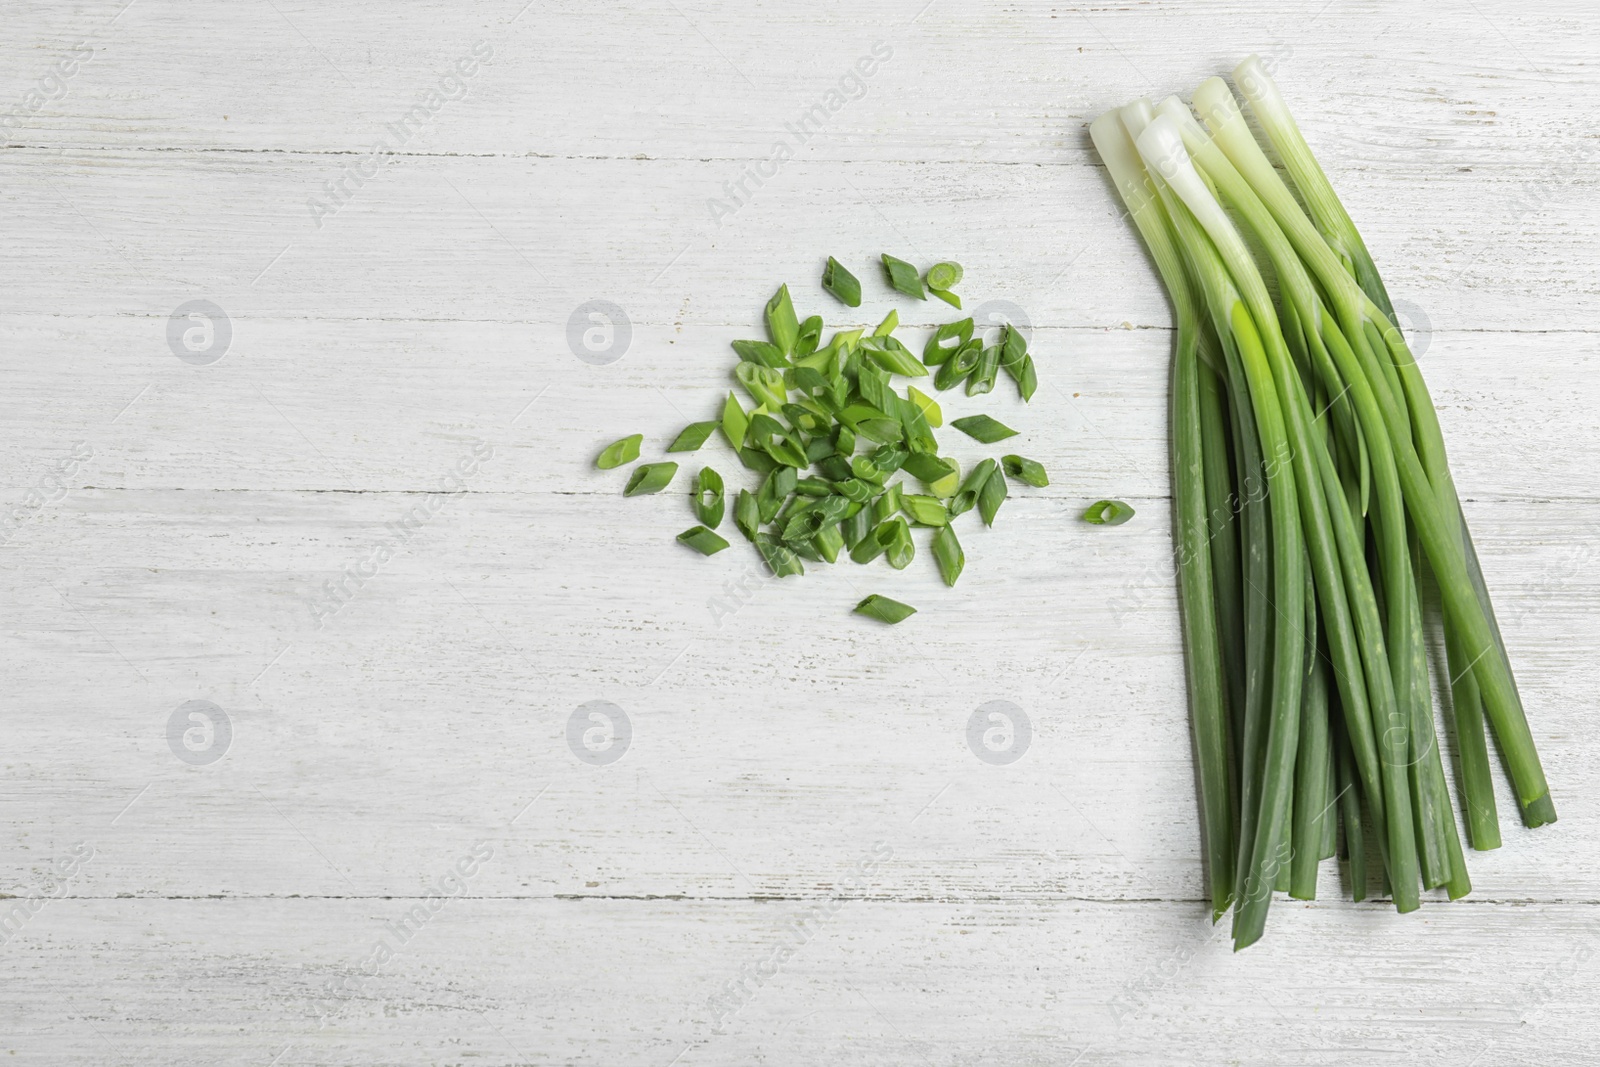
(830, 435)
(1310, 490)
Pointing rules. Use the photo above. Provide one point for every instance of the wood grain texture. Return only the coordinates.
(798, 858)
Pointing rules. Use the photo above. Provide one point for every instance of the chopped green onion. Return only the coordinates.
(947, 553)
(780, 559)
(885, 610)
(704, 541)
(735, 423)
(992, 495)
(1027, 379)
(925, 510)
(805, 343)
(890, 323)
(1108, 513)
(983, 428)
(747, 514)
(947, 296)
(706, 488)
(764, 384)
(966, 496)
(981, 380)
(811, 486)
(650, 478)
(887, 504)
(893, 357)
(1025, 470)
(936, 351)
(829, 542)
(841, 283)
(782, 324)
(692, 436)
(927, 405)
(903, 276)
(945, 487)
(960, 364)
(944, 276)
(928, 468)
(895, 536)
(619, 452)
(855, 529)
(761, 353)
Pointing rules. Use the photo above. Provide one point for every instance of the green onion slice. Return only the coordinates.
(810, 335)
(780, 559)
(927, 405)
(1025, 470)
(893, 357)
(947, 296)
(890, 323)
(706, 488)
(650, 478)
(704, 541)
(619, 452)
(761, 353)
(981, 380)
(903, 276)
(944, 275)
(782, 324)
(747, 514)
(992, 495)
(966, 497)
(692, 436)
(841, 283)
(925, 510)
(885, 610)
(936, 351)
(947, 554)
(735, 423)
(983, 428)
(1108, 513)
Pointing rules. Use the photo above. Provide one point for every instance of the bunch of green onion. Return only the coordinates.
(1311, 489)
(831, 437)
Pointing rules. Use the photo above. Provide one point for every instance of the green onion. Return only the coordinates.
(903, 276)
(706, 488)
(946, 486)
(981, 380)
(983, 428)
(885, 610)
(928, 468)
(890, 323)
(893, 357)
(1108, 513)
(735, 423)
(947, 554)
(1025, 470)
(841, 283)
(782, 325)
(966, 496)
(805, 343)
(619, 452)
(991, 495)
(692, 437)
(944, 275)
(962, 362)
(761, 353)
(925, 510)
(650, 478)
(936, 351)
(780, 559)
(704, 541)
(895, 536)
(829, 543)
(747, 514)
(927, 405)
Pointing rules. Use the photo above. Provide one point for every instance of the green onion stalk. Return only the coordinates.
(1311, 494)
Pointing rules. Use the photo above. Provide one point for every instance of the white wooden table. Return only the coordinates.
(797, 858)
